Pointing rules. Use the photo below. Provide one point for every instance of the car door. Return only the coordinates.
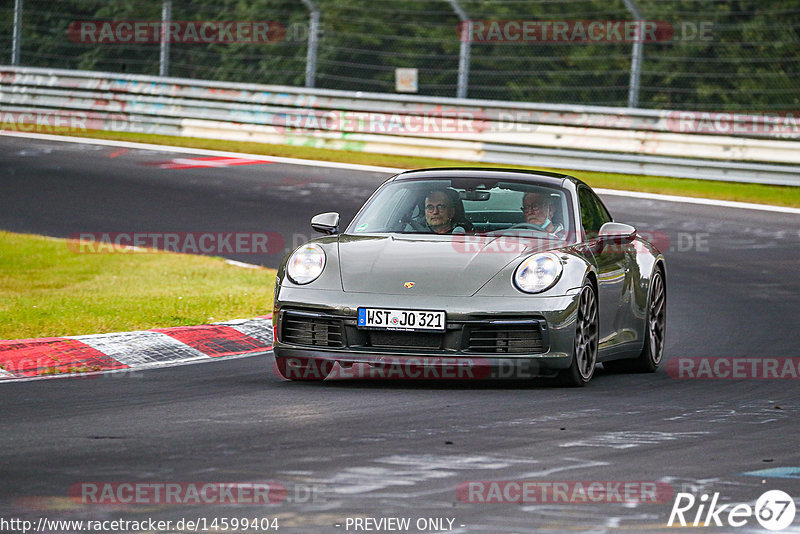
(612, 267)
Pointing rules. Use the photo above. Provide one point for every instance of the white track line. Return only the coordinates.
(703, 201)
(243, 265)
(203, 152)
(372, 168)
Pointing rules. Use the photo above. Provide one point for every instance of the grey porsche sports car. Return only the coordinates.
(472, 273)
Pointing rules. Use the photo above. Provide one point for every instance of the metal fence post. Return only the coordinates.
(463, 50)
(313, 39)
(16, 41)
(166, 17)
(636, 56)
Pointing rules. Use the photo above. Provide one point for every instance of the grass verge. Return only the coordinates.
(48, 290)
(742, 192)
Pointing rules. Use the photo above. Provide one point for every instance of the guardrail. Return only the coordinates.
(732, 147)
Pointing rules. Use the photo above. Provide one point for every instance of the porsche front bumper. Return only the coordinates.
(500, 337)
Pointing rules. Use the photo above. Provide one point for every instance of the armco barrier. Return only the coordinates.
(577, 137)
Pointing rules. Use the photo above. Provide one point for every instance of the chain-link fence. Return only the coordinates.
(735, 55)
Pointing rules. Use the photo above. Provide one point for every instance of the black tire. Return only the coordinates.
(584, 356)
(655, 328)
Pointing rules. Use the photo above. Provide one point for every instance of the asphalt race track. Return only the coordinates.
(346, 450)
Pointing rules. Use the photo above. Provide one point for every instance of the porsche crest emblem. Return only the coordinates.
(409, 285)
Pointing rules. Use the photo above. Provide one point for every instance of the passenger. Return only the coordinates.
(539, 209)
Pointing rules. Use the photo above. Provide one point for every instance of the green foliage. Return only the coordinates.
(47, 288)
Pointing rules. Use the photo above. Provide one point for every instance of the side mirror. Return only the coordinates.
(326, 223)
(614, 232)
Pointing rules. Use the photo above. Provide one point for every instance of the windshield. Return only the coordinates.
(471, 206)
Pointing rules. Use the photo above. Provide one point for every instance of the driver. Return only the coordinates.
(439, 212)
(538, 208)
(442, 214)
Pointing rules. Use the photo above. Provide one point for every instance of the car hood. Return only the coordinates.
(455, 265)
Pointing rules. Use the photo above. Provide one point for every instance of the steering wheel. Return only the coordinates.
(529, 226)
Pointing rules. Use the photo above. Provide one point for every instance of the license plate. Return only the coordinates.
(408, 320)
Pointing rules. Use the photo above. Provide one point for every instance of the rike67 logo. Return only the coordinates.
(774, 510)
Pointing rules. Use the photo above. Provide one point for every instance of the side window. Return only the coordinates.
(395, 204)
(593, 213)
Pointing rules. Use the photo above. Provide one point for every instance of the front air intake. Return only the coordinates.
(302, 329)
(506, 339)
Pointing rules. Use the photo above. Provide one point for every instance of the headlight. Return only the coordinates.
(306, 264)
(537, 273)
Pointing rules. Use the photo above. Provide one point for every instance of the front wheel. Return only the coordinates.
(584, 357)
(655, 328)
